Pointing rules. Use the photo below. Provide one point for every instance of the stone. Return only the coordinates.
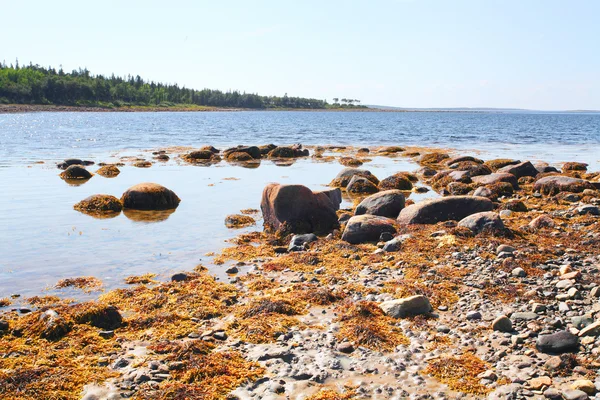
(99, 203)
(345, 347)
(443, 209)
(540, 382)
(553, 394)
(108, 171)
(502, 324)
(179, 277)
(149, 196)
(520, 170)
(574, 395)
(399, 181)
(588, 209)
(559, 342)
(487, 221)
(406, 307)
(297, 209)
(395, 244)
(552, 185)
(252, 151)
(3, 325)
(388, 204)
(106, 334)
(524, 316)
(288, 152)
(541, 222)
(591, 330)
(343, 178)
(543, 167)
(298, 242)
(75, 172)
(105, 317)
(519, 272)
(504, 248)
(201, 156)
(585, 385)
(367, 228)
(473, 316)
(360, 185)
(496, 177)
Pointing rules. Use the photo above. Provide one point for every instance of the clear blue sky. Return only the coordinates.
(538, 54)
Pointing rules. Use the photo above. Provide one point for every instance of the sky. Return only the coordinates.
(534, 54)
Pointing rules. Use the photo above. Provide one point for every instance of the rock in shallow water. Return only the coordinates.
(149, 196)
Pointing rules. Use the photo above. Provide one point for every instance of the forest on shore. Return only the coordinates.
(33, 84)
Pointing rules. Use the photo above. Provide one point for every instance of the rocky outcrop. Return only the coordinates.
(343, 178)
(552, 185)
(367, 228)
(444, 209)
(297, 209)
(149, 196)
(388, 204)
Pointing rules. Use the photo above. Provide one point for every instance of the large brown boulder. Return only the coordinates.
(367, 228)
(388, 204)
(496, 177)
(520, 170)
(149, 196)
(297, 209)
(343, 178)
(444, 209)
(252, 151)
(551, 185)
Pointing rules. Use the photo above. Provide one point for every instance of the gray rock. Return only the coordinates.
(552, 185)
(502, 324)
(473, 315)
(588, 209)
(574, 395)
(298, 242)
(444, 209)
(520, 170)
(483, 222)
(409, 306)
(343, 178)
(524, 316)
(519, 272)
(360, 185)
(496, 177)
(388, 203)
(559, 342)
(591, 330)
(395, 244)
(367, 228)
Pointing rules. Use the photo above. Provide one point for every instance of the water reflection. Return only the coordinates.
(75, 182)
(101, 215)
(148, 216)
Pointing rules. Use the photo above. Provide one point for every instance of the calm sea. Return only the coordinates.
(42, 239)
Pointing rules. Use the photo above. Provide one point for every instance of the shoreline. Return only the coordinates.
(313, 320)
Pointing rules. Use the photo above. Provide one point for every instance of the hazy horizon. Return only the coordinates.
(536, 55)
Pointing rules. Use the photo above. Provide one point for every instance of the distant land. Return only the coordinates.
(474, 109)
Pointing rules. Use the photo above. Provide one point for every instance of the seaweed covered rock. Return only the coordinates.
(360, 185)
(288, 152)
(350, 162)
(266, 149)
(574, 166)
(149, 196)
(444, 209)
(367, 228)
(98, 315)
(458, 188)
(99, 203)
(433, 158)
(297, 209)
(391, 150)
(488, 222)
(399, 181)
(498, 163)
(520, 170)
(75, 172)
(461, 159)
(239, 156)
(108, 171)
(388, 204)
(252, 151)
(552, 185)
(201, 156)
(496, 177)
(343, 178)
(46, 325)
(406, 307)
(426, 172)
(239, 221)
(142, 164)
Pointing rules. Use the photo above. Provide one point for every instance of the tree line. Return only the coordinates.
(33, 84)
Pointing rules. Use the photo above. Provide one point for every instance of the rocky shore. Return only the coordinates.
(489, 290)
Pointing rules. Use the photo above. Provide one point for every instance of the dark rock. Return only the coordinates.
(388, 203)
(252, 151)
(559, 342)
(75, 172)
(343, 178)
(487, 221)
(266, 149)
(498, 163)
(360, 185)
(386, 237)
(426, 172)
(399, 181)
(297, 209)
(105, 317)
(149, 196)
(108, 171)
(3, 325)
(543, 221)
(458, 188)
(367, 228)
(288, 152)
(395, 244)
(444, 209)
(460, 159)
(543, 168)
(345, 348)
(179, 277)
(520, 170)
(298, 242)
(574, 166)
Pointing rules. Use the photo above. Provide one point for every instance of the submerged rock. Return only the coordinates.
(367, 228)
(99, 203)
(149, 196)
(75, 172)
(297, 209)
(343, 178)
(444, 209)
(388, 203)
